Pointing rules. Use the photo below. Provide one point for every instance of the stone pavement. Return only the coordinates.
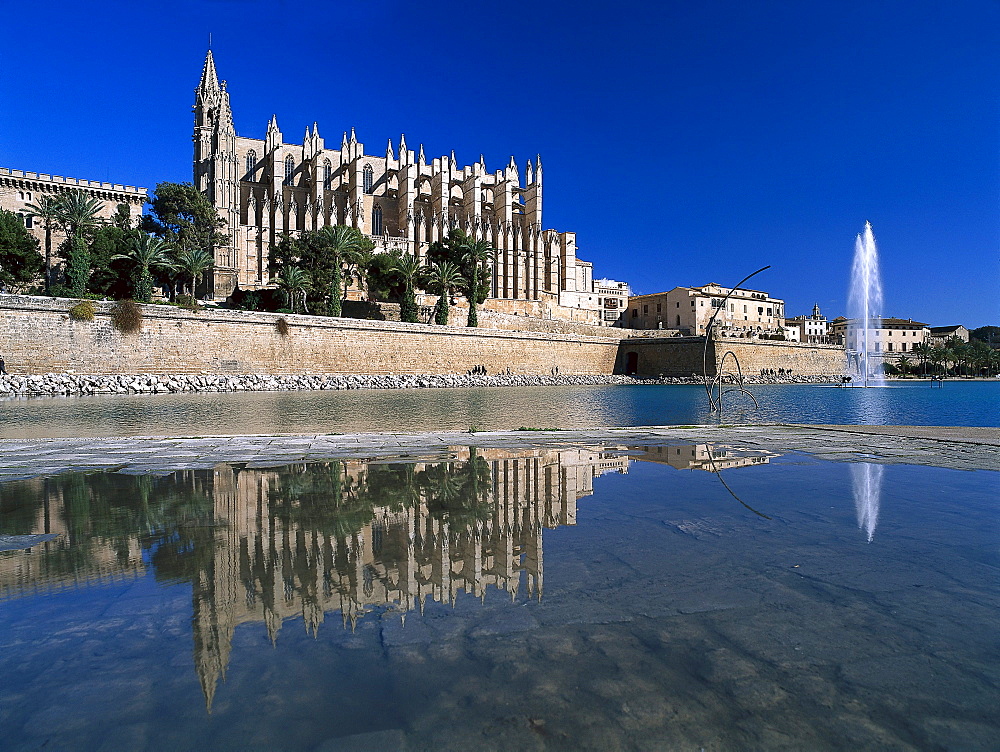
(959, 448)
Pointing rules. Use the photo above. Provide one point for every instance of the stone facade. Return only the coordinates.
(812, 328)
(887, 336)
(402, 200)
(687, 310)
(19, 188)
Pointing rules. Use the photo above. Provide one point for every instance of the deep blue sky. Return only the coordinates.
(685, 142)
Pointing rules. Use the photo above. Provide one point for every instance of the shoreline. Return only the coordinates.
(80, 385)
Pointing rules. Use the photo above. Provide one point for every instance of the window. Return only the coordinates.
(635, 313)
(890, 347)
(377, 220)
(678, 320)
(289, 170)
(645, 310)
(768, 311)
(327, 174)
(658, 307)
(251, 165)
(29, 221)
(368, 177)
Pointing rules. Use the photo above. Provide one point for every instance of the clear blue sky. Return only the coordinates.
(685, 142)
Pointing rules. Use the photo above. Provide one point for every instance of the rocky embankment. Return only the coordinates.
(76, 384)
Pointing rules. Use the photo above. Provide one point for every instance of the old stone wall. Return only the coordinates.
(38, 336)
(683, 356)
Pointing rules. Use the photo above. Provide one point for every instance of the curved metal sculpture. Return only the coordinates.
(717, 385)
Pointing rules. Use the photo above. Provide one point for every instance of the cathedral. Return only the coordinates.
(402, 200)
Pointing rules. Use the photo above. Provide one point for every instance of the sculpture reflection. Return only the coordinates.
(867, 482)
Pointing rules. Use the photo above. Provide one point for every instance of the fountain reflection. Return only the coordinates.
(867, 482)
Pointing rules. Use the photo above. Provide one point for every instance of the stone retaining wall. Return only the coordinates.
(37, 336)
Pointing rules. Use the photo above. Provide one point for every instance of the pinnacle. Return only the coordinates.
(209, 78)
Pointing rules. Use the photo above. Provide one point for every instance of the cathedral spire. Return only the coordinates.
(402, 143)
(209, 78)
(343, 143)
(528, 179)
(273, 139)
(421, 159)
(454, 165)
(354, 139)
(388, 151)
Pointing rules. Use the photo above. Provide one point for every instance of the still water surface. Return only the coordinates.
(504, 599)
(957, 403)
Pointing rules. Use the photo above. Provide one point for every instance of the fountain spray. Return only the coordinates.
(865, 304)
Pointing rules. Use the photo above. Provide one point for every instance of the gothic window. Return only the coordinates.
(289, 169)
(369, 178)
(377, 220)
(327, 174)
(251, 165)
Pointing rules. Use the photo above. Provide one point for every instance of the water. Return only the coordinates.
(958, 403)
(864, 304)
(504, 599)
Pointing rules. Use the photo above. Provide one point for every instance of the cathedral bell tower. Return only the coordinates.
(215, 171)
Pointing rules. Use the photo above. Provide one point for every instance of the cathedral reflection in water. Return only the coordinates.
(269, 544)
(265, 545)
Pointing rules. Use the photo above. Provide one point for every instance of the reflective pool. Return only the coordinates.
(667, 597)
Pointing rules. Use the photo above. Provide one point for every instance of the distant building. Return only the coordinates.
(887, 335)
(687, 311)
(612, 301)
(19, 188)
(813, 328)
(938, 335)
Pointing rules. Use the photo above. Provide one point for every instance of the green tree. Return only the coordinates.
(148, 252)
(74, 249)
(294, 282)
(340, 243)
(20, 259)
(192, 262)
(903, 364)
(359, 264)
(79, 214)
(922, 351)
(48, 209)
(184, 217)
(476, 255)
(443, 278)
(410, 269)
(987, 334)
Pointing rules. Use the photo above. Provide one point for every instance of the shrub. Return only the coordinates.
(188, 302)
(282, 326)
(82, 311)
(126, 317)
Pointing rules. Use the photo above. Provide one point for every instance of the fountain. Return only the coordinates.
(864, 306)
(867, 481)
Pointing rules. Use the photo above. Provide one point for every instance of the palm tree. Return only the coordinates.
(49, 210)
(410, 269)
(443, 277)
(903, 364)
(79, 213)
(476, 253)
(193, 262)
(923, 351)
(361, 259)
(341, 241)
(148, 252)
(294, 281)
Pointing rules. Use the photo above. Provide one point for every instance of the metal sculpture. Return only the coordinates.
(717, 384)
